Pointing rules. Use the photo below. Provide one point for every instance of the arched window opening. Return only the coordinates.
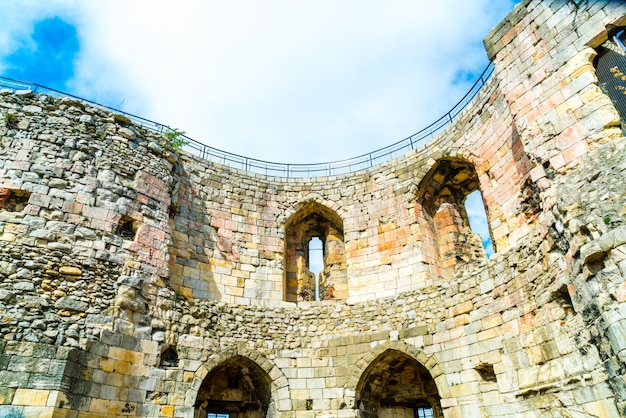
(397, 385)
(127, 228)
(610, 66)
(315, 263)
(450, 242)
(238, 388)
(477, 217)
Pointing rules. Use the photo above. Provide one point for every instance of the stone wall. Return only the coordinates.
(138, 280)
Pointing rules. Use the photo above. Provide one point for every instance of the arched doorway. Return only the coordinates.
(396, 385)
(237, 388)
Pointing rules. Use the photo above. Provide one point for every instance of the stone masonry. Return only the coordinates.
(138, 280)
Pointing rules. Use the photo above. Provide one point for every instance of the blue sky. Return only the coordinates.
(278, 80)
(47, 56)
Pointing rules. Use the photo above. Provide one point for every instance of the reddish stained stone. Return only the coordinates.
(4, 195)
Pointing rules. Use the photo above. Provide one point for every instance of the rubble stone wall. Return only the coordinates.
(138, 280)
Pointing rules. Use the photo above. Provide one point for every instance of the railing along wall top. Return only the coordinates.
(333, 168)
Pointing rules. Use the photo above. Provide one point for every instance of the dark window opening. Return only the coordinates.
(486, 372)
(127, 228)
(562, 298)
(611, 70)
(13, 200)
(169, 357)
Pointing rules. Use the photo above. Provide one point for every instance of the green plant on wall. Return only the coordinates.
(78, 129)
(10, 120)
(175, 138)
(120, 147)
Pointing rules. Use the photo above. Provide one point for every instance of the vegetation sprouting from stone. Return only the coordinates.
(10, 120)
(175, 138)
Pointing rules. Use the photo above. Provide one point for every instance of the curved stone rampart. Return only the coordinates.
(138, 280)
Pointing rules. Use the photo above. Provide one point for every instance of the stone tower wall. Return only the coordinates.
(132, 271)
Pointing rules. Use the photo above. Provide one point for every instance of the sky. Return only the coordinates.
(302, 81)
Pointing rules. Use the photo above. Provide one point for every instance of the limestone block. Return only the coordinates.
(527, 377)
(70, 304)
(616, 334)
(31, 397)
(603, 408)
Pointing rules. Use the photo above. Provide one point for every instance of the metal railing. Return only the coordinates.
(268, 168)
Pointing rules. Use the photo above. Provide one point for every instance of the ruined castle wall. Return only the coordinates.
(561, 115)
(231, 224)
(131, 272)
(84, 236)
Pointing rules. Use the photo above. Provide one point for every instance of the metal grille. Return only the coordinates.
(611, 72)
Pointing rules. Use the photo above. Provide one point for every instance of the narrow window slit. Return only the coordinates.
(478, 219)
(316, 262)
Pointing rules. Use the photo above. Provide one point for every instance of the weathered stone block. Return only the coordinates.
(30, 397)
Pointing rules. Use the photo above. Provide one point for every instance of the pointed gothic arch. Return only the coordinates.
(263, 388)
(314, 220)
(237, 387)
(395, 384)
(449, 242)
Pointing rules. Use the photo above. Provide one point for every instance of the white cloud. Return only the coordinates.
(278, 80)
(18, 18)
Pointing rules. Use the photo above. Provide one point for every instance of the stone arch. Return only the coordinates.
(448, 240)
(230, 364)
(312, 219)
(395, 379)
(429, 361)
(315, 198)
